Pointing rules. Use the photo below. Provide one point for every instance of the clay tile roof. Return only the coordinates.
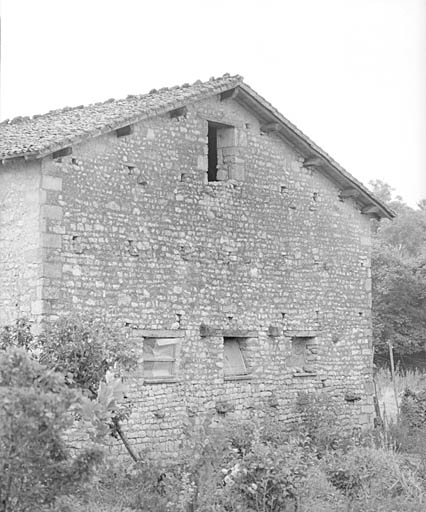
(41, 134)
(44, 134)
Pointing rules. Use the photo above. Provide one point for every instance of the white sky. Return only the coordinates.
(351, 74)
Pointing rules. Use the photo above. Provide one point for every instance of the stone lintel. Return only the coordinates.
(209, 331)
(236, 333)
(301, 334)
(158, 333)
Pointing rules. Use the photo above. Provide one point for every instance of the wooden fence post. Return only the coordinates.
(393, 376)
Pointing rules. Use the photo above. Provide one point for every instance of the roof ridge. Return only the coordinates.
(21, 119)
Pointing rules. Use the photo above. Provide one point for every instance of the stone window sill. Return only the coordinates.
(247, 376)
(227, 183)
(163, 380)
(305, 374)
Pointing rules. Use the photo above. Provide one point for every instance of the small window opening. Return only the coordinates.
(159, 358)
(212, 153)
(298, 351)
(220, 151)
(303, 351)
(233, 358)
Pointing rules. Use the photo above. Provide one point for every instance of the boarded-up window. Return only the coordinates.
(159, 358)
(298, 351)
(233, 359)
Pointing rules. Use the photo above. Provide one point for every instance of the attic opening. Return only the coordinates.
(220, 151)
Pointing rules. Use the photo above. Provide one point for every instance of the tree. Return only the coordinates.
(399, 276)
(407, 232)
(36, 408)
(399, 302)
(92, 355)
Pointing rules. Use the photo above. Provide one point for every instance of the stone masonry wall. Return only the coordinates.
(20, 256)
(137, 236)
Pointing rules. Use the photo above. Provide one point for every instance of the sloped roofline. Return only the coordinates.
(316, 157)
(227, 87)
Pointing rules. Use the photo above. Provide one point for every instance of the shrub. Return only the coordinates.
(84, 349)
(89, 353)
(35, 410)
(319, 420)
(367, 476)
(17, 335)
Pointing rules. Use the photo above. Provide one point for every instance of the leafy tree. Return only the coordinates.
(399, 276)
(406, 233)
(399, 302)
(92, 355)
(36, 409)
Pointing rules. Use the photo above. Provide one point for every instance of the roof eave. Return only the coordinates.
(250, 99)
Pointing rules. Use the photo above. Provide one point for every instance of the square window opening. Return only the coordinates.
(159, 358)
(233, 357)
(303, 350)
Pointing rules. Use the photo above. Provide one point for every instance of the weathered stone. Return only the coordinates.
(245, 256)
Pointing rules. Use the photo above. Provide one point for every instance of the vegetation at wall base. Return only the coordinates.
(225, 465)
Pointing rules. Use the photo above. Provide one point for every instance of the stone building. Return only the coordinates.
(199, 220)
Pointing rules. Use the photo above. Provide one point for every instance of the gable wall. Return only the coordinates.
(20, 256)
(233, 254)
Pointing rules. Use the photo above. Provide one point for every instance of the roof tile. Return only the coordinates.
(23, 135)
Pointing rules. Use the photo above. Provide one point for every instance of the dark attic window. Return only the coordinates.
(221, 149)
(212, 152)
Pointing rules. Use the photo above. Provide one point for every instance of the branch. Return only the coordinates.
(123, 437)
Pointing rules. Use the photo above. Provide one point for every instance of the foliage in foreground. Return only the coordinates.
(263, 477)
(256, 467)
(221, 467)
(35, 407)
(91, 356)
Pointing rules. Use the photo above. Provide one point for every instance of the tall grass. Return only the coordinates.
(415, 380)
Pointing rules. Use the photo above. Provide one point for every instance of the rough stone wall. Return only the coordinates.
(20, 256)
(136, 235)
